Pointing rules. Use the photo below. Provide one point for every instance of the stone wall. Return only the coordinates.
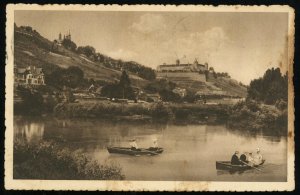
(194, 76)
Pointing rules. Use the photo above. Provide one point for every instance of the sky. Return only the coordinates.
(243, 44)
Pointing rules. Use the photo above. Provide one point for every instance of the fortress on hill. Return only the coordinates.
(183, 72)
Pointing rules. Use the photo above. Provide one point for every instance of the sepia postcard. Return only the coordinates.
(149, 98)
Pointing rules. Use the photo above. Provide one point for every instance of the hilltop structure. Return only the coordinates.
(60, 39)
(178, 67)
(30, 76)
(178, 71)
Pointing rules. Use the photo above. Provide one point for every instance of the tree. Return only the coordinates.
(273, 86)
(73, 76)
(159, 85)
(125, 86)
(169, 96)
(70, 77)
(68, 44)
(122, 89)
(124, 80)
(86, 50)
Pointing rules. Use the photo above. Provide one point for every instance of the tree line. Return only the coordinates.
(131, 66)
(270, 88)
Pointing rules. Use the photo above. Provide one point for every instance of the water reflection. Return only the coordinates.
(30, 131)
(190, 151)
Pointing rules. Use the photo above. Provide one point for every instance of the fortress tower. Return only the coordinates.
(68, 36)
(59, 37)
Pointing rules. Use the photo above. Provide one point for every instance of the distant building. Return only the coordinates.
(182, 72)
(29, 76)
(153, 97)
(60, 39)
(178, 67)
(148, 97)
(180, 91)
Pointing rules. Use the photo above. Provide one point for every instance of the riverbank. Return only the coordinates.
(248, 115)
(50, 160)
(157, 112)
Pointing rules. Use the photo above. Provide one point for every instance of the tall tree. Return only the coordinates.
(125, 86)
(122, 89)
(124, 80)
(271, 87)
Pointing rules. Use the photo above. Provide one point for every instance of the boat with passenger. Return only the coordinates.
(135, 152)
(226, 165)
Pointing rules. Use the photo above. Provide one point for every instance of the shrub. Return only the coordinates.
(48, 160)
(253, 106)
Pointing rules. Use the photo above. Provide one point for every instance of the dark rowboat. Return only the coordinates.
(135, 152)
(226, 165)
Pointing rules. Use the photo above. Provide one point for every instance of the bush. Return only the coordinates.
(254, 116)
(47, 160)
(253, 106)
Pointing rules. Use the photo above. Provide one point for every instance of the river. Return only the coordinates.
(190, 151)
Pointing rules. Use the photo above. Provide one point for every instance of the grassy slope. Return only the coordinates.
(29, 51)
(230, 86)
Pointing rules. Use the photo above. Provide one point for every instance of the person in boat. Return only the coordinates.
(243, 158)
(154, 145)
(258, 158)
(133, 145)
(235, 159)
(250, 159)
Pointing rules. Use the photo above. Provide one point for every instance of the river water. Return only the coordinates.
(190, 151)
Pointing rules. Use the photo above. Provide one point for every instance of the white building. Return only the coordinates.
(29, 76)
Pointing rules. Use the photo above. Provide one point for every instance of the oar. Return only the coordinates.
(250, 166)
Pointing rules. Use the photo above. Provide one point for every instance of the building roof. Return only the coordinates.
(34, 70)
(30, 69)
(174, 65)
(21, 70)
(178, 65)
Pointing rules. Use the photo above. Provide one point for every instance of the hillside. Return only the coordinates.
(220, 85)
(30, 48)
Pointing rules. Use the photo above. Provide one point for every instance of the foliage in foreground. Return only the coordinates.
(47, 160)
(255, 116)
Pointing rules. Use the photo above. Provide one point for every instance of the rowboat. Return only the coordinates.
(226, 165)
(135, 152)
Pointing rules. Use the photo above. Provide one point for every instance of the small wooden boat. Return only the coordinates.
(135, 152)
(226, 165)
